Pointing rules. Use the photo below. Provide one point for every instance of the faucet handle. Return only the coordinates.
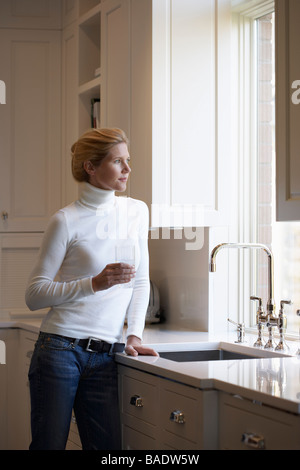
(240, 330)
(287, 302)
(260, 307)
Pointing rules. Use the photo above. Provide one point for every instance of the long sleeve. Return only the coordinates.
(140, 298)
(42, 290)
(80, 240)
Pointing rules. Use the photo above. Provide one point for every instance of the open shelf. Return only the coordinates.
(89, 45)
(88, 6)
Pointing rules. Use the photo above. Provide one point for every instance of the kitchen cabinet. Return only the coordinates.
(106, 52)
(17, 254)
(30, 123)
(157, 413)
(191, 119)
(246, 425)
(15, 432)
(26, 346)
(287, 110)
(172, 105)
(11, 393)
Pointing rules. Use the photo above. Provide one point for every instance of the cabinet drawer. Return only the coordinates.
(135, 440)
(245, 425)
(180, 411)
(139, 399)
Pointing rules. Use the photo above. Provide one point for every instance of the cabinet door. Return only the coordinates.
(17, 256)
(245, 425)
(30, 128)
(115, 64)
(69, 110)
(30, 14)
(191, 118)
(287, 109)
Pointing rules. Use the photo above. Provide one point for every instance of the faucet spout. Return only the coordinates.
(212, 266)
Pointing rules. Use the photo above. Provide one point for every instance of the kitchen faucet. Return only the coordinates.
(270, 318)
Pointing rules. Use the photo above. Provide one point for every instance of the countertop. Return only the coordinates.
(274, 381)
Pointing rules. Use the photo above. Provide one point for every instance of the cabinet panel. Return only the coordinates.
(30, 126)
(17, 256)
(134, 440)
(272, 429)
(115, 38)
(287, 110)
(39, 14)
(191, 125)
(180, 412)
(69, 110)
(150, 425)
(138, 399)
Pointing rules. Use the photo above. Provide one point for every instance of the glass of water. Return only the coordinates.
(126, 254)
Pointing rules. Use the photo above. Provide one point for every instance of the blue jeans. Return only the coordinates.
(63, 376)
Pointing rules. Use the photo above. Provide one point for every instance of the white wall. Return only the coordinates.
(181, 276)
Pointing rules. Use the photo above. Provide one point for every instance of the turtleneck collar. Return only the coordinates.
(92, 197)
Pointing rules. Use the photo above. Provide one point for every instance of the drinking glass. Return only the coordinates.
(126, 254)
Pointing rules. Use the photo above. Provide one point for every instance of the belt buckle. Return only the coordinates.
(89, 342)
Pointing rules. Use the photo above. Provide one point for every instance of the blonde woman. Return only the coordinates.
(78, 278)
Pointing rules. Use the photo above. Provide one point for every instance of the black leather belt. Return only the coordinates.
(93, 344)
(97, 345)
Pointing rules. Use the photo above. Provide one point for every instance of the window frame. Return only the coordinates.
(244, 16)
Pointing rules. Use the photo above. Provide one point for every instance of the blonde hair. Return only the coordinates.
(94, 145)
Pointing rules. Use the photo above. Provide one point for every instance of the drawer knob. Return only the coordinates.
(253, 440)
(137, 401)
(177, 417)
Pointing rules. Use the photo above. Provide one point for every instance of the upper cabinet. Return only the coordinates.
(30, 14)
(30, 125)
(287, 110)
(159, 69)
(164, 77)
(191, 112)
(107, 66)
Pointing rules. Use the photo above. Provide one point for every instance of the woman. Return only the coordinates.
(78, 277)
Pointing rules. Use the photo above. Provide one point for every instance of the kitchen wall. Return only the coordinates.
(190, 295)
(181, 275)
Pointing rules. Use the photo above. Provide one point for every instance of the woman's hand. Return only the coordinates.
(113, 274)
(134, 347)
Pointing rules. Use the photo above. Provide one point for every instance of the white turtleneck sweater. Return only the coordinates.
(79, 242)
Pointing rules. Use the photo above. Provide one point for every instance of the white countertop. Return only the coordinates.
(274, 381)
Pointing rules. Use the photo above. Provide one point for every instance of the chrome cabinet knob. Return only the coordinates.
(177, 416)
(253, 440)
(4, 215)
(137, 401)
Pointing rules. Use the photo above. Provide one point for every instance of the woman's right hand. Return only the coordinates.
(113, 274)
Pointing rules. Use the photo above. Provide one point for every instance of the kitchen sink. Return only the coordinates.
(204, 355)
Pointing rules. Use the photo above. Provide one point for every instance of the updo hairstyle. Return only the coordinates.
(94, 145)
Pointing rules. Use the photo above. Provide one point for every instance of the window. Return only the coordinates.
(255, 28)
(282, 237)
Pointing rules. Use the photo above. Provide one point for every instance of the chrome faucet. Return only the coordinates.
(270, 318)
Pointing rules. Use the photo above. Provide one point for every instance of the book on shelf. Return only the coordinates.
(95, 113)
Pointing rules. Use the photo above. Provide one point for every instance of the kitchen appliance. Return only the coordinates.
(153, 314)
